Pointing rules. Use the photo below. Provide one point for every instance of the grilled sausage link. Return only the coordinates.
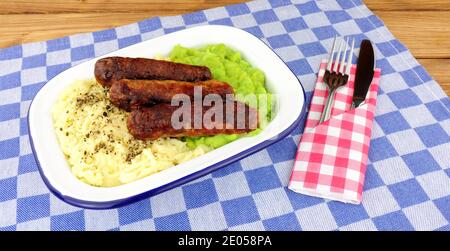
(131, 94)
(151, 123)
(109, 69)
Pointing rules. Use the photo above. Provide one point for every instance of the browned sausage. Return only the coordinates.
(151, 123)
(109, 69)
(131, 94)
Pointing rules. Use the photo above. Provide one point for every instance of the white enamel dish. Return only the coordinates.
(56, 172)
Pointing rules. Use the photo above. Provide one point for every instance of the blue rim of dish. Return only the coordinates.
(135, 198)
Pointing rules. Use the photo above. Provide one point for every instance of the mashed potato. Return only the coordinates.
(100, 151)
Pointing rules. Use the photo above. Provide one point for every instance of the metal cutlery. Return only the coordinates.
(336, 75)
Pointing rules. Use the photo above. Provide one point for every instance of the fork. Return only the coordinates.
(335, 75)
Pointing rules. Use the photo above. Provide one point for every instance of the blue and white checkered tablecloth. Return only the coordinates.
(407, 183)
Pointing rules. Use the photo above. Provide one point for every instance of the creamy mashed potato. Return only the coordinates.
(100, 151)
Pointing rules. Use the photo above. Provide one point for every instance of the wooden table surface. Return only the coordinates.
(423, 25)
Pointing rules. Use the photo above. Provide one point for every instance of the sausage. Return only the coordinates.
(109, 69)
(131, 94)
(151, 123)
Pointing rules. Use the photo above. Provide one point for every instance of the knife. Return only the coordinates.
(364, 72)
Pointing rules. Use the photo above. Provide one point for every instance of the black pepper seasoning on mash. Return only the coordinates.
(134, 149)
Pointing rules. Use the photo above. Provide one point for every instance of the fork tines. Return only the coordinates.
(339, 62)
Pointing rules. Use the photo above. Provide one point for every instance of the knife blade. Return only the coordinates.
(364, 72)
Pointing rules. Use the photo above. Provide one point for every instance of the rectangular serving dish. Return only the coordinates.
(56, 173)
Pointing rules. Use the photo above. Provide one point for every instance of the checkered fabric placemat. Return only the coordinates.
(407, 183)
(332, 156)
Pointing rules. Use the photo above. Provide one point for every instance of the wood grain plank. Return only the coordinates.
(72, 6)
(426, 34)
(439, 70)
(19, 28)
(105, 6)
(408, 5)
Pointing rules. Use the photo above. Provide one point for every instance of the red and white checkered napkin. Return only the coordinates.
(332, 156)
